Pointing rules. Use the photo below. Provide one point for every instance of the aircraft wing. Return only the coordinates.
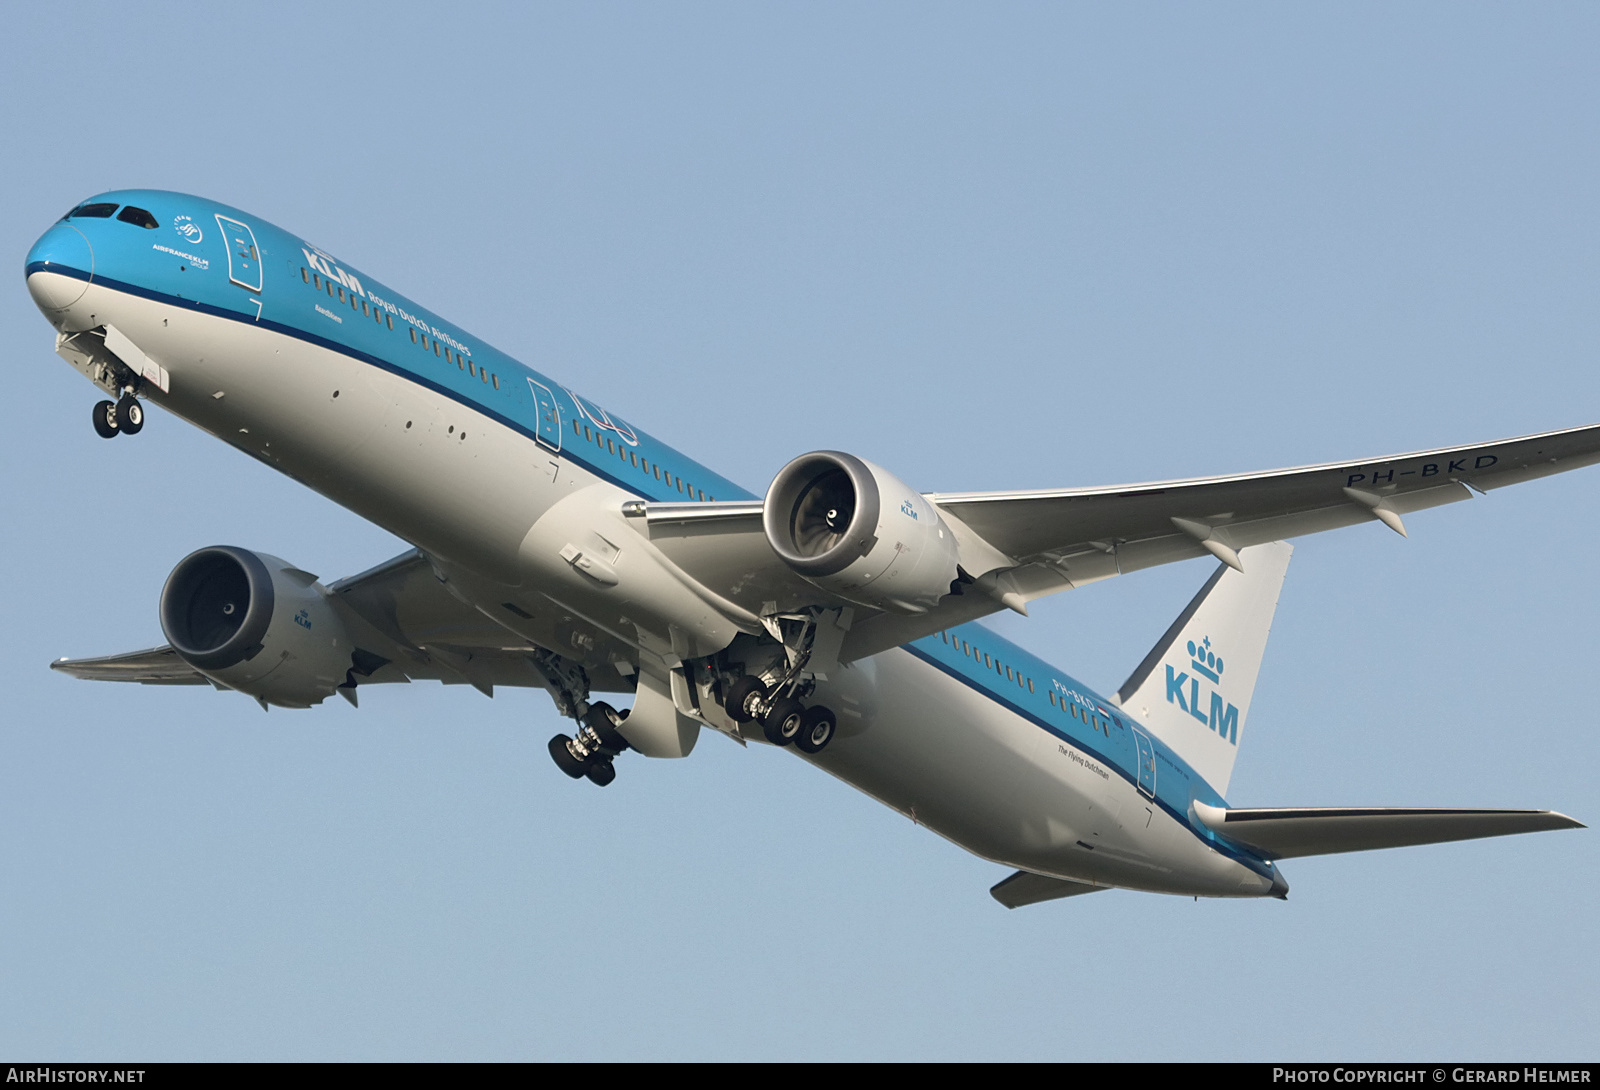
(409, 628)
(1136, 526)
(157, 666)
(1023, 545)
(1063, 538)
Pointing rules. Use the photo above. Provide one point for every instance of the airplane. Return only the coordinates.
(559, 546)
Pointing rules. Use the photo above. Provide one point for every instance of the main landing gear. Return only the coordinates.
(594, 749)
(784, 719)
(125, 416)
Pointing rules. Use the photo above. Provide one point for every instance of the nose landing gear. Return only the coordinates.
(596, 746)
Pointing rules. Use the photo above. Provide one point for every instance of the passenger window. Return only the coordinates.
(702, 497)
(305, 275)
(679, 483)
(610, 447)
(435, 348)
(388, 321)
(1031, 689)
(92, 211)
(413, 333)
(329, 285)
(316, 281)
(496, 380)
(471, 370)
(634, 458)
(586, 433)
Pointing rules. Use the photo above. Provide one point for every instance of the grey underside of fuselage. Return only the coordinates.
(466, 490)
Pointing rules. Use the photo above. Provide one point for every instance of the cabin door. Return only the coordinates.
(1147, 762)
(244, 260)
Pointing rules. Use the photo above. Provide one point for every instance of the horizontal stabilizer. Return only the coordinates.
(157, 666)
(1027, 888)
(1285, 834)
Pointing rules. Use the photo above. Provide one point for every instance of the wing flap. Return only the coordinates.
(1288, 833)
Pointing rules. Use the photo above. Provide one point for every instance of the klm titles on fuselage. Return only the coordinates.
(330, 270)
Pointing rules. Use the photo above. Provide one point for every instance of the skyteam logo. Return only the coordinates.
(188, 228)
(1184, 691)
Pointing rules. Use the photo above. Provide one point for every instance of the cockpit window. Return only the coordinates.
(138, 217)
(92, 212)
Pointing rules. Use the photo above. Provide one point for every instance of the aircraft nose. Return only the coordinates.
(59, 268)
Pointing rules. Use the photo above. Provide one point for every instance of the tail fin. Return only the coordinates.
(1193, 689)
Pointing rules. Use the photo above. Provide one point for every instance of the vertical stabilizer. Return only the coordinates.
(1193, 689)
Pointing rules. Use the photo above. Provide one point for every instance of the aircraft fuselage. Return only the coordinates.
(330, 377)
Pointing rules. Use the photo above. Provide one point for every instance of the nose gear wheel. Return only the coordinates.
(595, 747)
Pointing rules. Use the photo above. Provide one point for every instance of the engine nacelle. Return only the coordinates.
(254, 623)
(857, 531)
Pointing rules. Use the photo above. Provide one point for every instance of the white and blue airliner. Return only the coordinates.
(558, 546)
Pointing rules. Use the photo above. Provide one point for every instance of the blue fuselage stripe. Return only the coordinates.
(335, 346)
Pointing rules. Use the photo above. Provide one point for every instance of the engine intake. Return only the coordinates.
(251, 622)
(216, 607)
(857, 531)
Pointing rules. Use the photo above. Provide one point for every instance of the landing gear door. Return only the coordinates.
(244, 260)
(1147, 763)
(549, 417)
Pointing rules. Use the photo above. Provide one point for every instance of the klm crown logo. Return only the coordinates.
(1205, 660)
(1184, 691)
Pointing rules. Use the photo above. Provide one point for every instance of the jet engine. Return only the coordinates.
(251, 622)
(858, 532)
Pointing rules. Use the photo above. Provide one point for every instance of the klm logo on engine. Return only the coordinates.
(303, 619)
(1184, 691)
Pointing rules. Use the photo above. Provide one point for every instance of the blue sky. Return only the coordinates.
(988, 246)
